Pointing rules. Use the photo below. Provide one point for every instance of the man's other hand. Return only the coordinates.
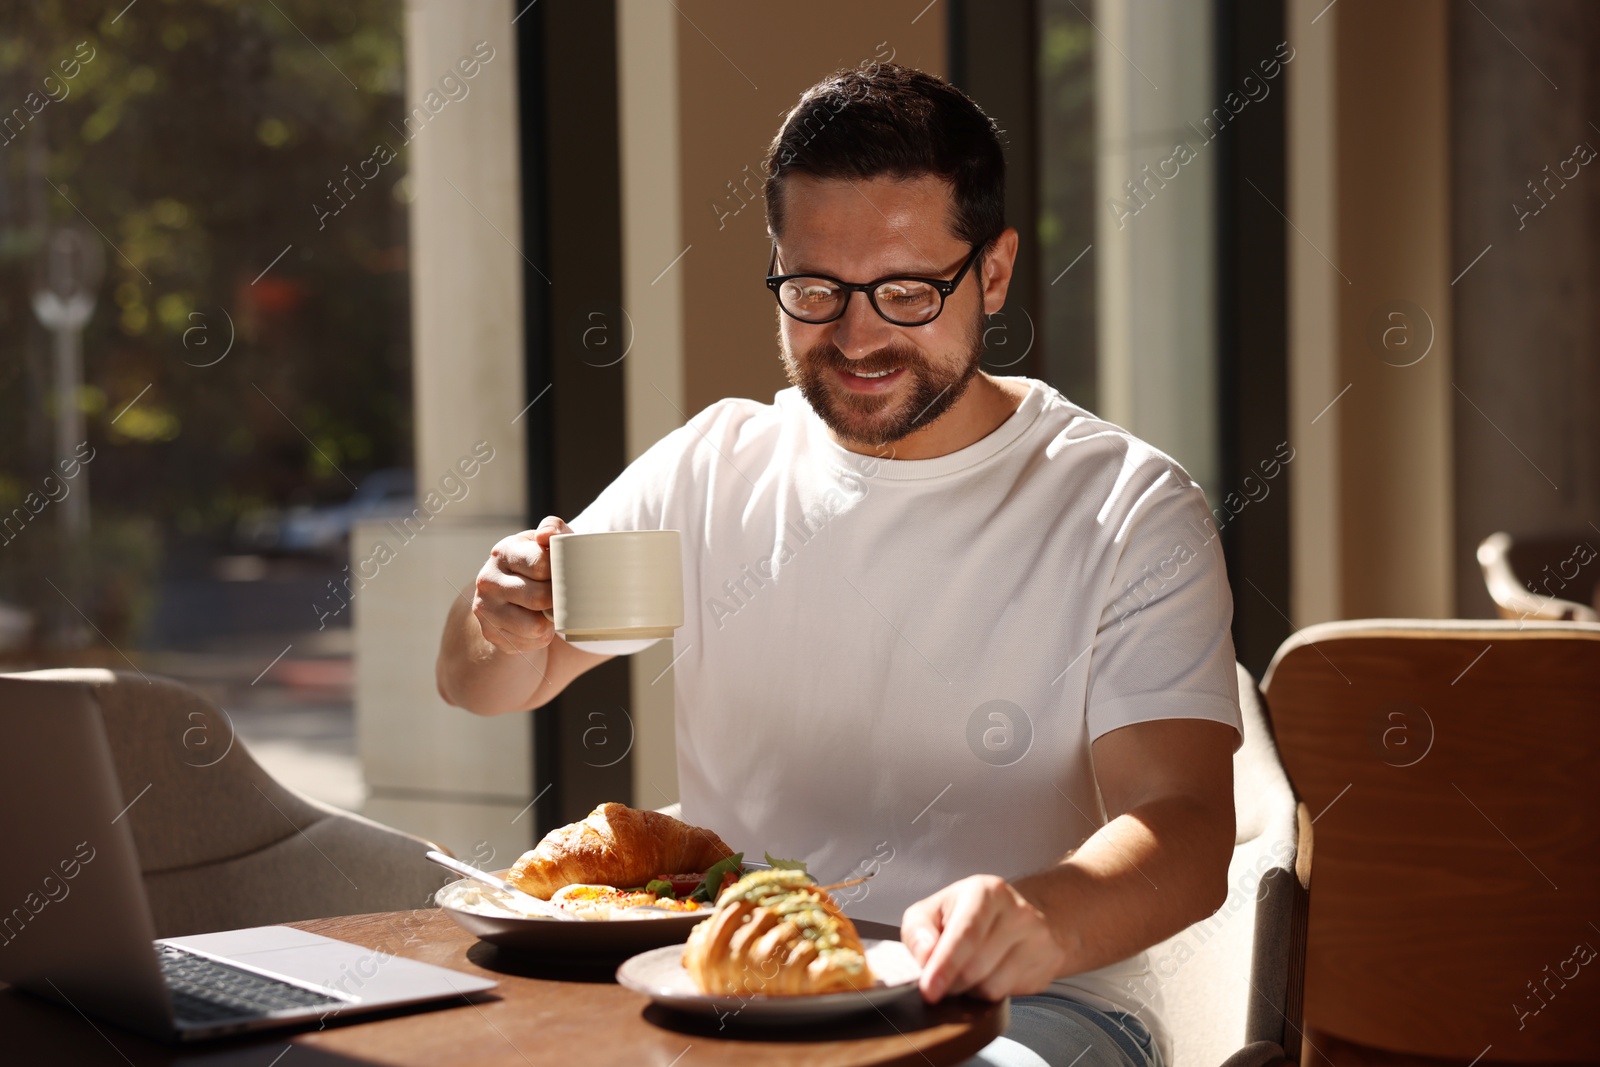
(981, 936)
(513, 589)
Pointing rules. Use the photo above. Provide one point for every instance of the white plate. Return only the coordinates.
(481, 910)
(659, 974)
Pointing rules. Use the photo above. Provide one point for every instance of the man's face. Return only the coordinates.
(860, 231)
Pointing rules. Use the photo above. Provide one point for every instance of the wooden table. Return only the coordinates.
(545, 1011)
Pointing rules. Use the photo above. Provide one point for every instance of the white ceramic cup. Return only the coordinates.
(624, 586)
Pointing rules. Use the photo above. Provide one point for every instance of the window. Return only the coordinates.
(204, 296)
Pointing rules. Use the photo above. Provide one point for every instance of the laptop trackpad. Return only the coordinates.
(345, 968)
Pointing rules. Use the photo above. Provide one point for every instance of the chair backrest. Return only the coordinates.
(1551, 578)
(1452, 767)
(1235, 979)
(221, 843)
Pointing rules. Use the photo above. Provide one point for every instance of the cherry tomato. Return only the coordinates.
(683, 884)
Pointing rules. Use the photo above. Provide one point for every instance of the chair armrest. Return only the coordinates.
(1259, 1054)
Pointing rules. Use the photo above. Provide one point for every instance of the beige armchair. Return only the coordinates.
(221, 843)
(1232, 985)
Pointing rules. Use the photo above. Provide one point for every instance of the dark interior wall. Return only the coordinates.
(1252, 322)
(572, 239)
(1527, 371)
(993, 48)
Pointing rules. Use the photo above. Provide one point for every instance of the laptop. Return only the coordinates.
(75, 924)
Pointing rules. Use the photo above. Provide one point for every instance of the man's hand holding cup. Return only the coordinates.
(513, 592)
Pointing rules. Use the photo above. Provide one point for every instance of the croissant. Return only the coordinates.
(618, 846)
(776, 934)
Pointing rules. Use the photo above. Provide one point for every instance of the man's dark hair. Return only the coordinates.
(886, 120)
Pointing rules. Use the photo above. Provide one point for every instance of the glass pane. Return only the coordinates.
(204, 299)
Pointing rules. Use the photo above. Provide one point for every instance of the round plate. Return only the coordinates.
(659, 974)
(472, 905)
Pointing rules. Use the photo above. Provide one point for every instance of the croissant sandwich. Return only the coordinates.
(616, 846)
(776, 933)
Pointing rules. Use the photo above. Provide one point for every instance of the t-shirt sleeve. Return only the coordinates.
(637, 498)
(660, 489)
(1163, 649)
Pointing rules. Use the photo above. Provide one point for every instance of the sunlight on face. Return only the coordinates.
(922, 393)
(871, 382)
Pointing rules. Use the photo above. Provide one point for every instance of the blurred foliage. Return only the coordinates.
(1067, 207)
(199, 139)
(118, 573)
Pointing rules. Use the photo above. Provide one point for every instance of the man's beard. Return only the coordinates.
(860, 418)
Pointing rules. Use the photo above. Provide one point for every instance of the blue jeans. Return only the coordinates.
(1052, 1031)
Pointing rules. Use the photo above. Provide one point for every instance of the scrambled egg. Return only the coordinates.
(601, 902)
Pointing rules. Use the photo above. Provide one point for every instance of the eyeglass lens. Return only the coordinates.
(903, 301)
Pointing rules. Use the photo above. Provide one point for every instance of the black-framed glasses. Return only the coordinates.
(901, 300)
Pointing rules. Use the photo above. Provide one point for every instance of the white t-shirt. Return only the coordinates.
(898, 666)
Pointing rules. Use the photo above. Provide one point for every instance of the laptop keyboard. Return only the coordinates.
(205, 991)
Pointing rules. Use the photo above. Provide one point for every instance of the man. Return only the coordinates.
(943, 626)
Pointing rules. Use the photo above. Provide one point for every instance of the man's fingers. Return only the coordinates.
(512, 628)
(522, 554)
(548, 529)
(986, 956)
(505, 641)
(1010, 972)
(965, 924)
(528, 553)
(919, 928)
(987, 939)
(495, 587)
(512, 591)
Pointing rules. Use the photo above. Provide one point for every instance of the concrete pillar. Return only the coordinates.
(430, 768)
(1316, 559)
(652, 242)
(1370, 310)
(1156, 226)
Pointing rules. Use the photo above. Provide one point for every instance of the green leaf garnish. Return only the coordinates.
(785, 865)
(660, 889)
(706, 891)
